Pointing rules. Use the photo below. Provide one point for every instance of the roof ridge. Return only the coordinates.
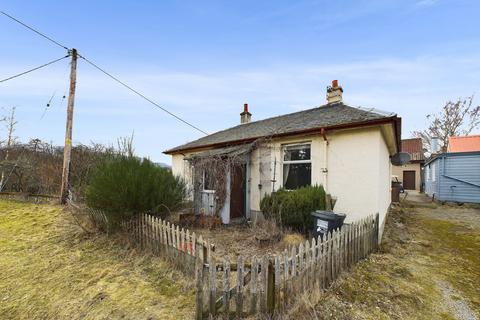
(375, 110)
(317, 117)
(261, 120)
(328, 105)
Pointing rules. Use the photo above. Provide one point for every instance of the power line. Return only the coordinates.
(34, 30)
(98, 68)
(36, 68)
(141, 95)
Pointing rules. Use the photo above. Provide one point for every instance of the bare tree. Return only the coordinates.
(125, 146)
(459, 117)
(11, 139)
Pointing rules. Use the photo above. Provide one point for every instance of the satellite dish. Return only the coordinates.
(400, 158)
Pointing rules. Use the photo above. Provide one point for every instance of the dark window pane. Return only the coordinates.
(300, 152)
(297, 175)
(208, 181)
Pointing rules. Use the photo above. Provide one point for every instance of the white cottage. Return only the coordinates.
(346, 149)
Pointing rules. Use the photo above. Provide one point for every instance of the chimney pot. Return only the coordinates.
(334, 92)
(245, 116)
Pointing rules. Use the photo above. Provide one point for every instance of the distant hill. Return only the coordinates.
(164, 165)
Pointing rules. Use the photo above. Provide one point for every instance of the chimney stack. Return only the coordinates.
(435, 145)
(334, 92)
(245, 116)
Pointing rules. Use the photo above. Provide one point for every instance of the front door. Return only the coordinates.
(237, 192)
(409, 180)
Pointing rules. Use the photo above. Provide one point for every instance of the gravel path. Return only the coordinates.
(455, 303)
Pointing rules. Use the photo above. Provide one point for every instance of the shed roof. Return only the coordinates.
(464, 143)
(452, 155)
(334, 115)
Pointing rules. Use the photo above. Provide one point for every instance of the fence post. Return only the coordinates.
(270, 288)
(253, 285)
(240, 283)
(377, 230)
(226, 287)
(213, 286)
(285, 277)
(277, 284)
(264, 284)
(199, 286)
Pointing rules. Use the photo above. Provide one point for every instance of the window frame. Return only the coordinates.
(284, 162)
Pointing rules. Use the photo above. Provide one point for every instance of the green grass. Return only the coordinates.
(456, 256)
(50, 269)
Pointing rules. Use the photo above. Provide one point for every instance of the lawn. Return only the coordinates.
(51, 269)
(428, 268)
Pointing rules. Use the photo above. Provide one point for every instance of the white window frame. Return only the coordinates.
(203, 184)
(284, 147)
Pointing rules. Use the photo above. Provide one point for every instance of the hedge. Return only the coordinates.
(292, 209)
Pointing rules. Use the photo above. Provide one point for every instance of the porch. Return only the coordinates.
(222, 183)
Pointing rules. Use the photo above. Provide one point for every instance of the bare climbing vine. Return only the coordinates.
(218, 166)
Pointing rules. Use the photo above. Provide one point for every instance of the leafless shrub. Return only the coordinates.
(36, 166)
(267, 231)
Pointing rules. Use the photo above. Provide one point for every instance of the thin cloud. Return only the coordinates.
(426, 3)
(410, 87)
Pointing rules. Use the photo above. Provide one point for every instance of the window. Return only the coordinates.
(208, 181)
(434, 177)
(297, 166)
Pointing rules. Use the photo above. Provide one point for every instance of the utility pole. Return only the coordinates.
(67, 150)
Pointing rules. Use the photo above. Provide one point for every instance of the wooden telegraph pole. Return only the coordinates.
(67, 151)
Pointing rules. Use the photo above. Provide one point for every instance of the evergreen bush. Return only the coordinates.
(292, 209)
(125, 186)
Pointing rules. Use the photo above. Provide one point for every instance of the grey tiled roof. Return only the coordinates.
(329, 115)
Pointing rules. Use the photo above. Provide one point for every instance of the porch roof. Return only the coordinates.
(232, 151)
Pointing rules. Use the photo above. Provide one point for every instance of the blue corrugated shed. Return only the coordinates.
(454, 177)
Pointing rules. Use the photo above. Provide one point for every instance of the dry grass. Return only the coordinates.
(427, 251)
(236, 240)
(50, 269)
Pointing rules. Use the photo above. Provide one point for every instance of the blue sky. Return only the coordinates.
(203, 60)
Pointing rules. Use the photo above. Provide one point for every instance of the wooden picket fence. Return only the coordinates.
(252, 285)
(98, 217)
(177, 245)
(267, 284)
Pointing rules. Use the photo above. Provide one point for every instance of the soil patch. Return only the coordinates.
(242, 240)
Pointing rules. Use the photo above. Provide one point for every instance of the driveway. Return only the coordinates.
(428, 268)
